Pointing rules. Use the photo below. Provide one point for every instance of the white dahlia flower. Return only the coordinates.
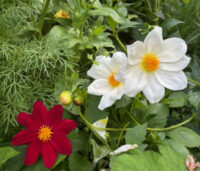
(105, 84)
(153, 65)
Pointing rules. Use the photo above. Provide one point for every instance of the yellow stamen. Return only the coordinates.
(149, 62)
(113, 82)
(45, 133)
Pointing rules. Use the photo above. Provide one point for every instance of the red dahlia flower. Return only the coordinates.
(45, 134)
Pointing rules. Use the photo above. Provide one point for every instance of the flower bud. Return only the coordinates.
(61, 14)
(78, 100)
(65, 97)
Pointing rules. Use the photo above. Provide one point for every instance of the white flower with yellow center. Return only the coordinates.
(105, 84)
(153, 65)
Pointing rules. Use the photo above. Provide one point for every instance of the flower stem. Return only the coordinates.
(119, 42)
(121, 133)
(120, 129)
(149, 5)
(43, 14)
(132, 117)
(193, 81)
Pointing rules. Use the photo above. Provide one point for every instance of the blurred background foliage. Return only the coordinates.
(41, 56)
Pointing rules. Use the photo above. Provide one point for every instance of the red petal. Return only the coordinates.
(26, 120)
(48, 154)
(66, 126)
(32, 152)
(61, 144)
(40, 112)
(24, 137)
(55, 115)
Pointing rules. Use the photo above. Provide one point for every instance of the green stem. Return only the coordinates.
(120, 129)
(119, 42)
(149, 5)
(121, 133)
(43, 14)
(173, 126)
(132, 117)
(193, 81)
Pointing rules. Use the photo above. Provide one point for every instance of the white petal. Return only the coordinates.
(135, 52)
(99, 87)
(124, 148)
(153, 91)
(153, 41)
(102, 70)
(176, 66)
(106, 101)
(117, 93)
(173, 49)
(124, 73)
(117, 61)
(136, 82)
(102, 124)
(173, 80)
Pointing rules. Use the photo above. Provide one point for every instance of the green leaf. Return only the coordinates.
(35, 167)
(7, 153)
(160, 119)
(170, 23)
(93, 113)
(100, 41)
(186, 136)
(177, 99)
(79, 140)
(60, 158)
(56, 34)
(123, 102)
(99, 151)
(166, 160)
(17, 161)
(99, 30)
(79, 163)
(136, 135)
(194, 99)
(106, 11)
(177, 146)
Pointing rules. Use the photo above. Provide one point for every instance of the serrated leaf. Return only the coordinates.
(177, 99)
(177, 146)
(160, 118)
(136, 135)
(194, 99)
(106, 11)
(186, 136)
(166, 160)
(79, 163)
(7, 153)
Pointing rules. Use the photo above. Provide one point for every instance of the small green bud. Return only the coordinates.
(78, 100)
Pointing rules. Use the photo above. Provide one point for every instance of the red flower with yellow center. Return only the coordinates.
(45, 134)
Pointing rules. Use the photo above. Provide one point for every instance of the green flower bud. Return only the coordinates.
(78, 100)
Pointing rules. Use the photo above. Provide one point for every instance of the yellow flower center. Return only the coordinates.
(113, 82)
(149, 62)
(45, 133)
